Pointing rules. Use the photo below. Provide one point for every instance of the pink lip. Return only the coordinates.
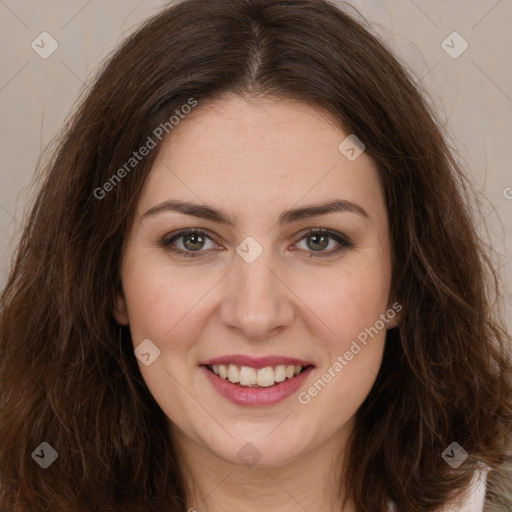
(256, 397)
(255, 362)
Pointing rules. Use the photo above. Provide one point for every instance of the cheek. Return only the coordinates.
(351, 302)
(355, 342)
(353, 345)
(164, 306)
(164, 301)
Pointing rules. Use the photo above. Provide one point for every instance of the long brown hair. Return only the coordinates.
(68, 375)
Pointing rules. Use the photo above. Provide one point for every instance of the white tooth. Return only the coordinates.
(298, 369)
(290, 371)
(280, 373)
(223, 371)
(247, 376)
(215, 369)
(233, 373)
(265, 377)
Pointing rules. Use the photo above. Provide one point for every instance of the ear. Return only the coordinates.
(121, 310)
(394, 314)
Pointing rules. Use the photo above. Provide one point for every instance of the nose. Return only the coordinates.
(257, 301)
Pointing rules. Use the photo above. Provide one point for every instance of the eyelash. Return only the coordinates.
(344, 242)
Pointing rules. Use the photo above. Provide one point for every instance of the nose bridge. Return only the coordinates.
(257, 302)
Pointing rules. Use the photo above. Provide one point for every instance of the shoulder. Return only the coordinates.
(473, 500)
(475, 496)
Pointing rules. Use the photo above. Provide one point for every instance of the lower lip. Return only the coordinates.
(256, 397)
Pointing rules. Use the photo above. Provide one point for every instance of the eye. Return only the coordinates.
(318, 240)
(192, 242)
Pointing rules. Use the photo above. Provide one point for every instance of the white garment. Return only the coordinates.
(474, 501)
(475, 496)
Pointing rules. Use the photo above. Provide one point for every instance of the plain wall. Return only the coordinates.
(473, 92)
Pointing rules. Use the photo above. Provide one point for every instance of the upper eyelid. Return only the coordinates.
(182, 232)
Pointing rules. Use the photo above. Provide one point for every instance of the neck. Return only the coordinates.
(311, 481)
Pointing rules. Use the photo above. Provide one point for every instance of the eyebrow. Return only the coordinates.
(216, 215)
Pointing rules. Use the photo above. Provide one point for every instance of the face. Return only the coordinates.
(266, 282)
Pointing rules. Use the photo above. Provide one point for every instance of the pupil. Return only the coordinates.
(193, 236)
(324, 243)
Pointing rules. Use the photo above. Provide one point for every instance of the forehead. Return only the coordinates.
(250, 154)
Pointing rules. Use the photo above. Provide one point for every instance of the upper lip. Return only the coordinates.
(255, 362)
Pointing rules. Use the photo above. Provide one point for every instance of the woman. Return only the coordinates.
(251, 279)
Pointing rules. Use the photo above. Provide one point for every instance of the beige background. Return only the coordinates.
(473, 92)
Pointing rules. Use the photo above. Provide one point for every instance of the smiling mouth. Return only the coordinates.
(248, 377)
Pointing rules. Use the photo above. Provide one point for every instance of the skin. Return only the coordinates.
(255, 159)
